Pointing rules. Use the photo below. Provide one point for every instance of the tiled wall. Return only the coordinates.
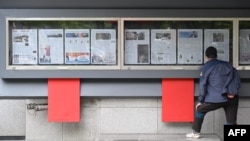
(102, 117)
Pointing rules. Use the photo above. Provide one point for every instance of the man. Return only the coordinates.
(215, 78)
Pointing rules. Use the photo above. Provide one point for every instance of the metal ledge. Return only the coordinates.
(119, 4)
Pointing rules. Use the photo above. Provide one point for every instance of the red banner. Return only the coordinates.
(63, 100)
(177, 100)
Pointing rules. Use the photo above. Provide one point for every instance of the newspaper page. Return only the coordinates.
(163, 46)
(50, 46)
(77, 46)
(24, 46)
(103, 46)
(137, 48)
(219, 38)
(244, 50)
(190, 46)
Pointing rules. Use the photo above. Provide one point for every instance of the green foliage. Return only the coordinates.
(64, 24)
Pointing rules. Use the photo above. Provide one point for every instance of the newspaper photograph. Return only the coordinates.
(190, 46)
(163, 46)
(77, 46)
(24, 46)
(50, 46)
(137, 48)
(219, 38)
(103, 46)
(244, 50)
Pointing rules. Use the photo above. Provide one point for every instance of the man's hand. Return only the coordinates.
(197, 105)
(230, 96)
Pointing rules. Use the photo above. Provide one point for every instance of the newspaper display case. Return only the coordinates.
(116, 43)
(174, 43)
(62, 43)
(120, 47)
(94, 43)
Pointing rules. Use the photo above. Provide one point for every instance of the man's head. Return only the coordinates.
(211, 52)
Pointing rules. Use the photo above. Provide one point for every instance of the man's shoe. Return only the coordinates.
(193, 135)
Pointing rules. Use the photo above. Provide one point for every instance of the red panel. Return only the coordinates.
(177, 100)
(63, 100)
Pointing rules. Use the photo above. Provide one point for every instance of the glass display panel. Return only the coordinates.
(190, 46)
(244, 43)
(74, 43)
(103, 46)
(24, 47)
(50, 46)
(174, 42)
(137, 46)
(160, 54)
(218, 38)
(77, 46)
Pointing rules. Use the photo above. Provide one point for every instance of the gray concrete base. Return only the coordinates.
(148, 137)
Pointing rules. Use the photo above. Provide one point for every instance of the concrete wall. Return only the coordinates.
(103, 116)
(12, 117)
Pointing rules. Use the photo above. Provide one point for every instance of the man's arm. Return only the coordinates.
(203, 86)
